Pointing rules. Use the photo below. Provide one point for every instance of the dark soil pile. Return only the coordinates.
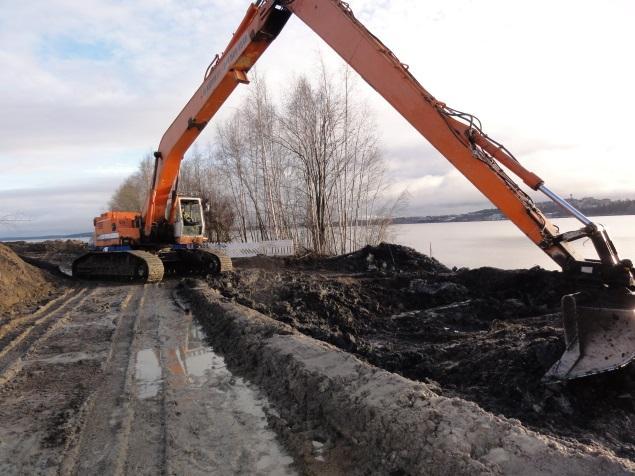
(20, 283)
(485, 335)
(383, 258)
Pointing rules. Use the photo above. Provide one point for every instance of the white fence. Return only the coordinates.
(245, 250)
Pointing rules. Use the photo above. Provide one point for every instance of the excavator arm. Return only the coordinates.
(459, 138)
(259, 28)
(599, 324)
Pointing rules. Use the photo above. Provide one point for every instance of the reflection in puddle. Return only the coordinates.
(148, 374)
(201, 363)
(199, 357)
(229, 410)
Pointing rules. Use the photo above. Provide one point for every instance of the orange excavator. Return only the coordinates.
(599, 320)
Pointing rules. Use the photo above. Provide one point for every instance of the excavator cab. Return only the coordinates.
(189, 223)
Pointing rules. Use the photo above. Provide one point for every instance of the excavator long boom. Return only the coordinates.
(457, 136)
(255, 33)
(335, 23)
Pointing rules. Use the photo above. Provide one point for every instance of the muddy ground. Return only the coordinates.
(111, 378)
(484, 335)
(49, 255)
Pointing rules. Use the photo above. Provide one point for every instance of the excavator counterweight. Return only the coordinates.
(598, 321)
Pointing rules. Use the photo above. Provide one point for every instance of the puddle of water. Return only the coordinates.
(66, 270)
(148, 374)
(238, 404)
(199, 360)
(198, 364)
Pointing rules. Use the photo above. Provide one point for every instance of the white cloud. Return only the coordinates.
(552, 80)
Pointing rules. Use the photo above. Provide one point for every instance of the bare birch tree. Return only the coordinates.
(256, 167)
(307, 169)
(333, 138)
(132, 194)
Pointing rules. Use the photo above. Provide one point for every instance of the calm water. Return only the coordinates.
(501, 244)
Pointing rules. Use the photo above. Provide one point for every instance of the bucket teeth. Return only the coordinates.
(599, 334)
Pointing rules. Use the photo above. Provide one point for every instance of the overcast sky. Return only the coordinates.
(88, 87)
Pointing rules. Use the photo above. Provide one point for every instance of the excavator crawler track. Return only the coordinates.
(136, 265)
(155, 265)
(204, 261)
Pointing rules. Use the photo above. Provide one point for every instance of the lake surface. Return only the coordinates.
(500, 244)
(85, 239)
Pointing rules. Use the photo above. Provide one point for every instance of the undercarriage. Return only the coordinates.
(150, 267)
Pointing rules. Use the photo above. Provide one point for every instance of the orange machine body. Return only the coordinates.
(125, 228)
(260, 26)
(117, 228)
(333, 21)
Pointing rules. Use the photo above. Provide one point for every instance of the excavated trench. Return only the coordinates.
(484, 335)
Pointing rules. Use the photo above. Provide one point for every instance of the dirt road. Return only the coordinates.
(119, 379)
(116, 379)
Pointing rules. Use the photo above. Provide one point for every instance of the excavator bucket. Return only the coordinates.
(599, 335)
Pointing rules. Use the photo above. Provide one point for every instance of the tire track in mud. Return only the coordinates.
(190, 415)
(123, 430)
(168, 405)
(10, 322)
(49, 372)
(117, 379)
(102, 440)
(146, 435)
(21, 338)
(217, 423)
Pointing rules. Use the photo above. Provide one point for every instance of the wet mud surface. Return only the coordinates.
(98, 354)
(484, 335)
(104, 378)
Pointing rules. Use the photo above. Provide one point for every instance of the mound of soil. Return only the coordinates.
(50, 254)
(20, 283)
(485, 335)
(383, 258)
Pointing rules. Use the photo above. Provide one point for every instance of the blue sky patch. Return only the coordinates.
(67, 48)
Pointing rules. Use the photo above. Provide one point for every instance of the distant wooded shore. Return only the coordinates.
(589, 206)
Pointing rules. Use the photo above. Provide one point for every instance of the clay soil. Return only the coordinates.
(485, 335)
(49, 255)
(22, 285)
